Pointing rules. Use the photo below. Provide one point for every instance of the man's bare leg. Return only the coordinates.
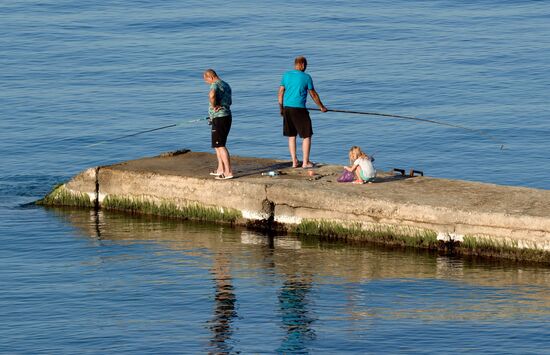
(306, 147)
(224, 160)
(292, 150)
(219, 170)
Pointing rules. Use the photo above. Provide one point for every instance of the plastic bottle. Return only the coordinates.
(271, 173)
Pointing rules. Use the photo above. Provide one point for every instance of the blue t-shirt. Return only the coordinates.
(223, 98)
(296, 83)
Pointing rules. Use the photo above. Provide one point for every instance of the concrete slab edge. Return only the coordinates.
(254, 207)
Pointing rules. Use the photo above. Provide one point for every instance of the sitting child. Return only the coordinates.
(361, 164)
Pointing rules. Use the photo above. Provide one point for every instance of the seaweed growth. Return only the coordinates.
(191, 211)
(61, 196)
(384, 235)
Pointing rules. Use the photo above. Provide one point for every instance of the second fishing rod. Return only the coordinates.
(418, 119)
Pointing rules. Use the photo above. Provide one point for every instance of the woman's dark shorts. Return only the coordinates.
(297, 121)
(220, 130)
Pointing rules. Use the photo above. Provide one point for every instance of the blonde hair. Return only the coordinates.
(355, 153)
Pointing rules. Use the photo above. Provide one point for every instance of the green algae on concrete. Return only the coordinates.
(61, 196)
(193, 211)
(502, 248)
(425, 239)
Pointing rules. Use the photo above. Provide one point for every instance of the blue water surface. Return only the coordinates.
(75, 74)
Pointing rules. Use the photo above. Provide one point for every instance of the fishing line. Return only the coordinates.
(416, 119)
(145, 131)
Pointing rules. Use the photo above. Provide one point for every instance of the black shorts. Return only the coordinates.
(297, 121)
(220, 130)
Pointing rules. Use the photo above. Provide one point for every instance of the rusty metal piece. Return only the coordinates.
(402, 171)
(413, 172)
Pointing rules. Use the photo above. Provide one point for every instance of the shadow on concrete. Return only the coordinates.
(246, 170)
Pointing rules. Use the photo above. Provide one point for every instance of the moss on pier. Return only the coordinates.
(191, 211)
(355, 231)
(61, 196)
(398, 236)
(502, 248)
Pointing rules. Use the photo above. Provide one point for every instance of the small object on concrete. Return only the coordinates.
(413, 172)
(402, 171)
(311, 173)
(174, 153)
(271, 173)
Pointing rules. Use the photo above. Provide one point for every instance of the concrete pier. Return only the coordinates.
(471, 217)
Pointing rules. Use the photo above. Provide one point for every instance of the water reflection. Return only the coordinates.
(288, 284)
(224, 307)
(294, 295)
(297, 318)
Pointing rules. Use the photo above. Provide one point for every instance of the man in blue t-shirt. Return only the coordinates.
(293, 91)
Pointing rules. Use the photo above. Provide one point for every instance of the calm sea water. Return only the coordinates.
(76, 73)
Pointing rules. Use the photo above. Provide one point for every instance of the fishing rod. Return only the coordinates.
(415, 119)
(146, 131)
